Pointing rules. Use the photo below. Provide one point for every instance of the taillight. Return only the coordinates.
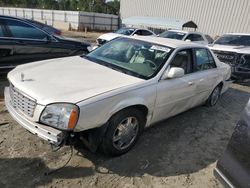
(58, 32)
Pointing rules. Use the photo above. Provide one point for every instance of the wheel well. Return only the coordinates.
(139, 107)
(220, 85)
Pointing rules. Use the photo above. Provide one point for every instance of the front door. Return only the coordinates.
(176, 95)
(31, 43)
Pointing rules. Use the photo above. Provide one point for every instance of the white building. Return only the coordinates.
(213, 17)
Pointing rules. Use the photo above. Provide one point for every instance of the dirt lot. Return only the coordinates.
(179, 152)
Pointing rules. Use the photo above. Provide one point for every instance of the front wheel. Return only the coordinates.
(123, 131)
(214, 97)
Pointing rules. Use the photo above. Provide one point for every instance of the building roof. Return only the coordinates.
(157, 22)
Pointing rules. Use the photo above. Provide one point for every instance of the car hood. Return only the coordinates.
(109, 36)
(71, 79)
(237, 49)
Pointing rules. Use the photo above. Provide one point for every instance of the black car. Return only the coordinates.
(21, 42)
(233, 168)
(49, 29)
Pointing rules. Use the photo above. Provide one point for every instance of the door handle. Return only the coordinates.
(20, 42)
(190, 83)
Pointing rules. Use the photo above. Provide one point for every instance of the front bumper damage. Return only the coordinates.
(52, 135)
(240, 72)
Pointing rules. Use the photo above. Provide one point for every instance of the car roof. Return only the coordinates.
(179, 31)
(12, 17)
(166, 41)
(135, 28)
(183, 31)
(20, 19)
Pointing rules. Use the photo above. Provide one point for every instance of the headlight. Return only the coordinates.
(62, 116)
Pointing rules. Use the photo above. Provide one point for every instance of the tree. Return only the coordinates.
(111, 7)
(114, 7)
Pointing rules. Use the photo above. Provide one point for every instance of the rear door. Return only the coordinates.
(6, 49)
(206, 73)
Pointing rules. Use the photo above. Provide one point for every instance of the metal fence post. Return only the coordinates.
(111, 26)
(93, 27)
(32, 14)
(52, 18)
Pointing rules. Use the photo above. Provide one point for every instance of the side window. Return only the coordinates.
(145, 33)
(189, 37)
(195, 37)
(183, 59)
(25, 31)
(138, 32)
(1, 29)
(204, 60)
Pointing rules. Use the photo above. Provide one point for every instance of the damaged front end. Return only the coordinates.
(241, 69)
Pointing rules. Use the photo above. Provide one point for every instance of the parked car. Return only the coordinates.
(49, 29)
(23, 42)
(126, 31)
(192, 36)
(234, 49)
(233, 168)
(109, 96)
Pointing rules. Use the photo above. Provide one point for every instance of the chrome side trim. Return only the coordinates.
(224, 178)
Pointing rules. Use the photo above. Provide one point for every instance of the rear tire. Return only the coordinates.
(214, 97)
(123, 131)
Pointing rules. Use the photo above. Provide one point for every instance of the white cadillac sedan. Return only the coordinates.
(109, 96)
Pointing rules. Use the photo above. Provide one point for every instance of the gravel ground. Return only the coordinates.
(178, 152)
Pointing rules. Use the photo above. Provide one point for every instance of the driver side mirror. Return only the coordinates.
(49, 38)
(174, 72)
(188, 40)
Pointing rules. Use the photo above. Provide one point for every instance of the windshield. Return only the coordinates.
(172, 35)
(130, 56)
(125, 31)
(234, 40)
